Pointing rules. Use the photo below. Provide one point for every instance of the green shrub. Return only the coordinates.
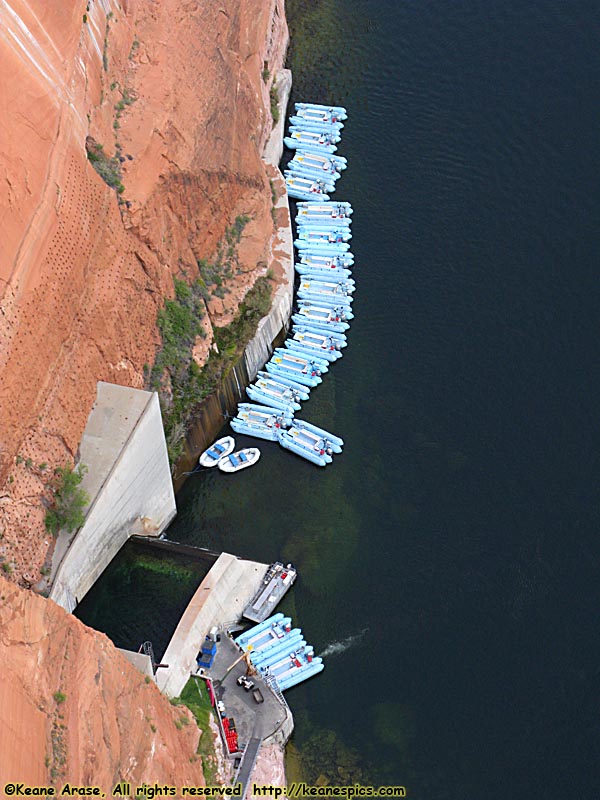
(127, 98)
(233, 234)
(273, 191)
(59, 697)
(109, 169)
(195, 697)
(105, 45)
(182, 385)
(274, 95)
(69, 500)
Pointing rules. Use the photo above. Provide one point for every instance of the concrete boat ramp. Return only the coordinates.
(218, 602)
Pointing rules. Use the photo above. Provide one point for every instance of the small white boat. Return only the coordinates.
(240, 460)
(220, 449)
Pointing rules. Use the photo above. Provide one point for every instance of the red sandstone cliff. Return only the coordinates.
(73, 708)
(180, 90)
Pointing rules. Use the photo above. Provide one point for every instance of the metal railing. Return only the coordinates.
(147, 649)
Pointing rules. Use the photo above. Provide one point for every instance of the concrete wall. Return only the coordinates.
(139, 660)
(283, 734)
(259, 349)
(274, 146)
(128, 481)
(220, 599)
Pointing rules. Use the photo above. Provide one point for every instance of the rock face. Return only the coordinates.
(177, 95)
(73, 708)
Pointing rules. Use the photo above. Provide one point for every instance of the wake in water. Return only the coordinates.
(335, 648)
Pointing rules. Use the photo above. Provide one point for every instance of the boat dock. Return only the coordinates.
(276, 582)
(218, 601)
(261, 719)
(257, 718)
(248, 716)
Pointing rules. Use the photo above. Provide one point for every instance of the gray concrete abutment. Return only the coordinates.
(128, 482)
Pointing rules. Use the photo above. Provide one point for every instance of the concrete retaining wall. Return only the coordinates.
(128, 482)
(259, 349)
(220, 598)
(283, 733)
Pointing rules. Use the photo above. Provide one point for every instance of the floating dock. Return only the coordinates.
(278, 579)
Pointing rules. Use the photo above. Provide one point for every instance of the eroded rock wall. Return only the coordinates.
(178, 92)
(73, 708)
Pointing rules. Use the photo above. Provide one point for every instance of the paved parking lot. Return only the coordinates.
(252, 719)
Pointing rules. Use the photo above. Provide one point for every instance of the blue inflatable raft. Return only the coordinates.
(264, 424)
(329, 177)
(317, 162)
(276, 621)
(297, 123)
(324, 319)
(302, 391)
(327, 259)
(309, 363)
(299, 139)
(296, 372)
(313, 234)
(335, 442)
(337, 288)
(317, 361)
(302, 343)
(331, 208)
(340, 310)
(302, 674)
(341, 163)
(324, 182)
(306, 271)
(338, 340)
(323, 247)
(304, 188)
(339, 111)
(305, 445)
(271, 393)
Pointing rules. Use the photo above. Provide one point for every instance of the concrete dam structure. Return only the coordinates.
(128, 482)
